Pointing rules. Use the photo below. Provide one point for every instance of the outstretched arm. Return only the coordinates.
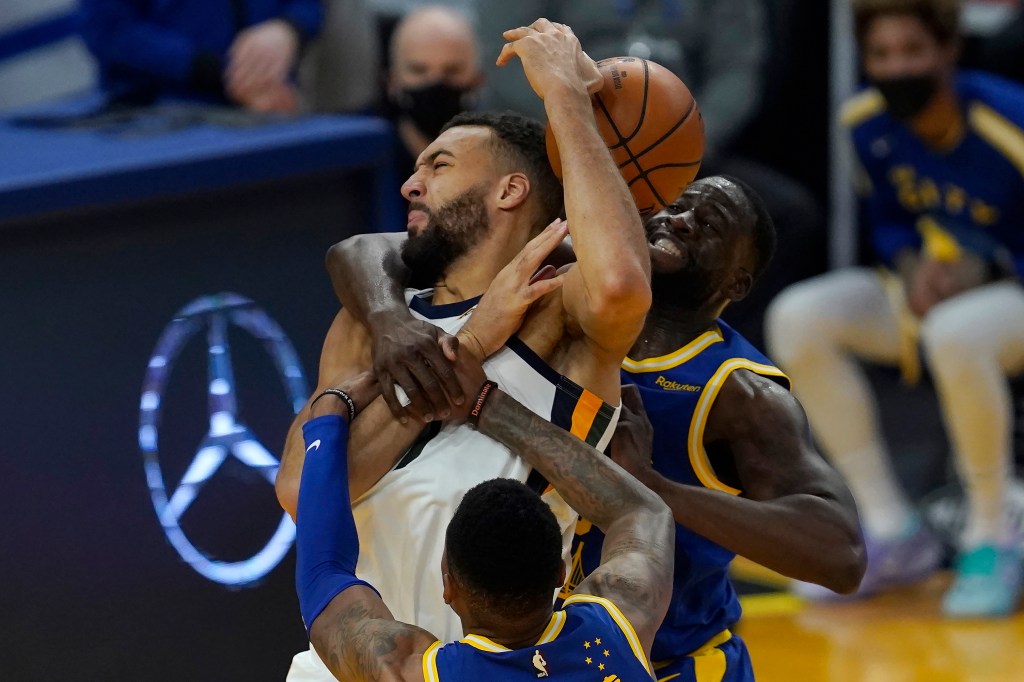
(636, 567)
(348, 624)
(795, 515)
(369, 279)
(607, 293)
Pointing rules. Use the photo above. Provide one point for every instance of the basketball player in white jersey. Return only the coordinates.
(478, 195)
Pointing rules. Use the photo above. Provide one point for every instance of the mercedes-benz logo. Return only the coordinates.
(226, 437)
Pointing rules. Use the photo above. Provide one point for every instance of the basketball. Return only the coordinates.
(652, 126)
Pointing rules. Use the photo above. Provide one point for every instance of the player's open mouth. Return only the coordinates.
(667, 244)
(415, 217)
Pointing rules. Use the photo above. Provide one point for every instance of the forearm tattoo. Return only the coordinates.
(584, 477)
(359, 643)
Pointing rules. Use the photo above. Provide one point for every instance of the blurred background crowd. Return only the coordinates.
(911, 381)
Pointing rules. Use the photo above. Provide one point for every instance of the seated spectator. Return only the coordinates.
(387, 14)
(240, 52)
(434, 74)
(942, 152)
(720, 49)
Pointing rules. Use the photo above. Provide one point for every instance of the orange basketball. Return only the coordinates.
(652, 126)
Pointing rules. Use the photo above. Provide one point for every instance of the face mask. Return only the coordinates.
(906, 96)
(431, 106)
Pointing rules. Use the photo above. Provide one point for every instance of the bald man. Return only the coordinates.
(434, 74)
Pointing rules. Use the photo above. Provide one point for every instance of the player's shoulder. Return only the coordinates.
(748, 386)
(748, 399)
(1003, 96)
(995, 109)
(862, 109)
(737, 352)
(603, 615)
(995, 112)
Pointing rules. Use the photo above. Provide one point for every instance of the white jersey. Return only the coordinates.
(403, 518)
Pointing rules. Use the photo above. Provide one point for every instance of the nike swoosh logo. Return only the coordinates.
(315, 445)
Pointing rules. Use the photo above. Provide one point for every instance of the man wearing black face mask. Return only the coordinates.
(942, 155)
(434, 75)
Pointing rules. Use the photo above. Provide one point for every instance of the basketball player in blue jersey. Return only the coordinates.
(502, 560)
(732, 455)
(942, 155)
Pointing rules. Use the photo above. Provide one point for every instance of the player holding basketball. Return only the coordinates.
(485, 183)
(502, 559)
(732, 454)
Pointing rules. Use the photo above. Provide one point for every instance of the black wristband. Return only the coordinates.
(344, 396)
(478, 405)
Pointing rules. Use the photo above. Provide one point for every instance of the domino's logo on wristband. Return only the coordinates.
(226, 436)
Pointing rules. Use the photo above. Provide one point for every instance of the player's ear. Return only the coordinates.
(739, 285)
(561, 576)
(449, 590)
(513, 191)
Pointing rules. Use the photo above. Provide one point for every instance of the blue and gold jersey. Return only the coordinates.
(969, 195)
(678, 392)
(588, 640)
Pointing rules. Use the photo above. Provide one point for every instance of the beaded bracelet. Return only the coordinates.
(344, 396)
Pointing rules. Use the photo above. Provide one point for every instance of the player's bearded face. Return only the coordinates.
(452, 230)
(687, 288)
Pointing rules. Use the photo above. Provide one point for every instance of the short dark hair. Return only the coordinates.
(765, 239)
(505, 547)
(940, 17)
(520, 142)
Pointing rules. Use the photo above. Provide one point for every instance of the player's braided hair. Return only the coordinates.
(504, 546)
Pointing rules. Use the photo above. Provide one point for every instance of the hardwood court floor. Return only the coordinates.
(896, 637)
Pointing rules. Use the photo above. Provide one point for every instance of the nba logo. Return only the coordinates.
(540, 664)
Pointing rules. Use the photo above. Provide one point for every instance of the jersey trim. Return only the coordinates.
(588, 407)
(482, 643)
(675, 358)
(709, 660)
(709, 663)
(861, 107)
(620, 620)
(716, 641)
(695, 440)
(430, 673)
(553, 629)
(420, 304)
(1006, 137)
(575, 409)
(519, 347)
